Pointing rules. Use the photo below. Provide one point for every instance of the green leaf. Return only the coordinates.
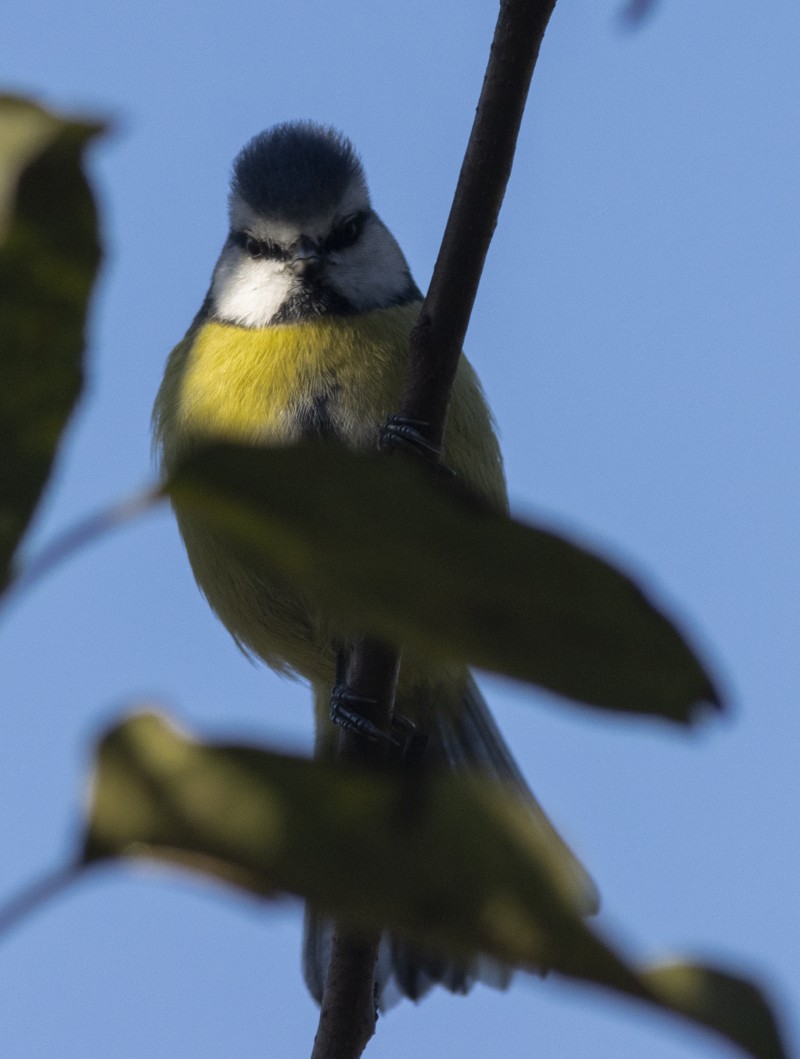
(384, 548)
(373, 848)
(731, 1006)
(452, 863)
(49, 254)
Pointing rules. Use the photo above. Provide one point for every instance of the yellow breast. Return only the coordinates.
(248, 384)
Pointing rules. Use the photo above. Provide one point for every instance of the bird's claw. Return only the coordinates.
(345, 707)
(346, 712)
(408, 435)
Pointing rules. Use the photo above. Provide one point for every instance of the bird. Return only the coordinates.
(304, 332)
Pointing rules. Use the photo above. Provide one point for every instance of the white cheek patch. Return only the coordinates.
(373, 272)
(249, 291)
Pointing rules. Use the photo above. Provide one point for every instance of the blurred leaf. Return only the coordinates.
(374, 848)
(49, 254)
(384, 548)
(454, 864)
(731, 1006)
(636, 11)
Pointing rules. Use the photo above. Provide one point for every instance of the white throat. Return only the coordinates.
(249, 292)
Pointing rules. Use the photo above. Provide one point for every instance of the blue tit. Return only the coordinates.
(305, 332)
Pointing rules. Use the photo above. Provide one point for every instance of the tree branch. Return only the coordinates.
(347, 1017)
(437, 339)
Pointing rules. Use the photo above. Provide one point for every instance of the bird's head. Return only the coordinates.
(304, 240)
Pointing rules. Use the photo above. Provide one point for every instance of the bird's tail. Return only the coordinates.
(466, 740)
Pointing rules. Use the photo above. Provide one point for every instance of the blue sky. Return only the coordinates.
(637, 331)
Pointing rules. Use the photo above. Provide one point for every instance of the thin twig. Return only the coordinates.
(348, 1013)
(439, 334)
(37, 893)
(347, 1017)
(75, 538)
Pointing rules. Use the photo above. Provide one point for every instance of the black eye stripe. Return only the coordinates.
(344, 235)
(257, 248)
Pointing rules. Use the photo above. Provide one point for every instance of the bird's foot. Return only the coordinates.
(345, 711)
(409, 435)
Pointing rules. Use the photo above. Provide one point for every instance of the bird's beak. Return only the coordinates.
(306, 257)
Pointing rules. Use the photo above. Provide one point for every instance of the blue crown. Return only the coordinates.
(295, 170)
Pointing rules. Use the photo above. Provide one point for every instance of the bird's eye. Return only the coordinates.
(252, 246)
(258, 248)
(346, 233)
(350, 230)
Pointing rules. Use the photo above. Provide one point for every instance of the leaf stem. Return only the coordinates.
(79, 536)
(32, 896)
